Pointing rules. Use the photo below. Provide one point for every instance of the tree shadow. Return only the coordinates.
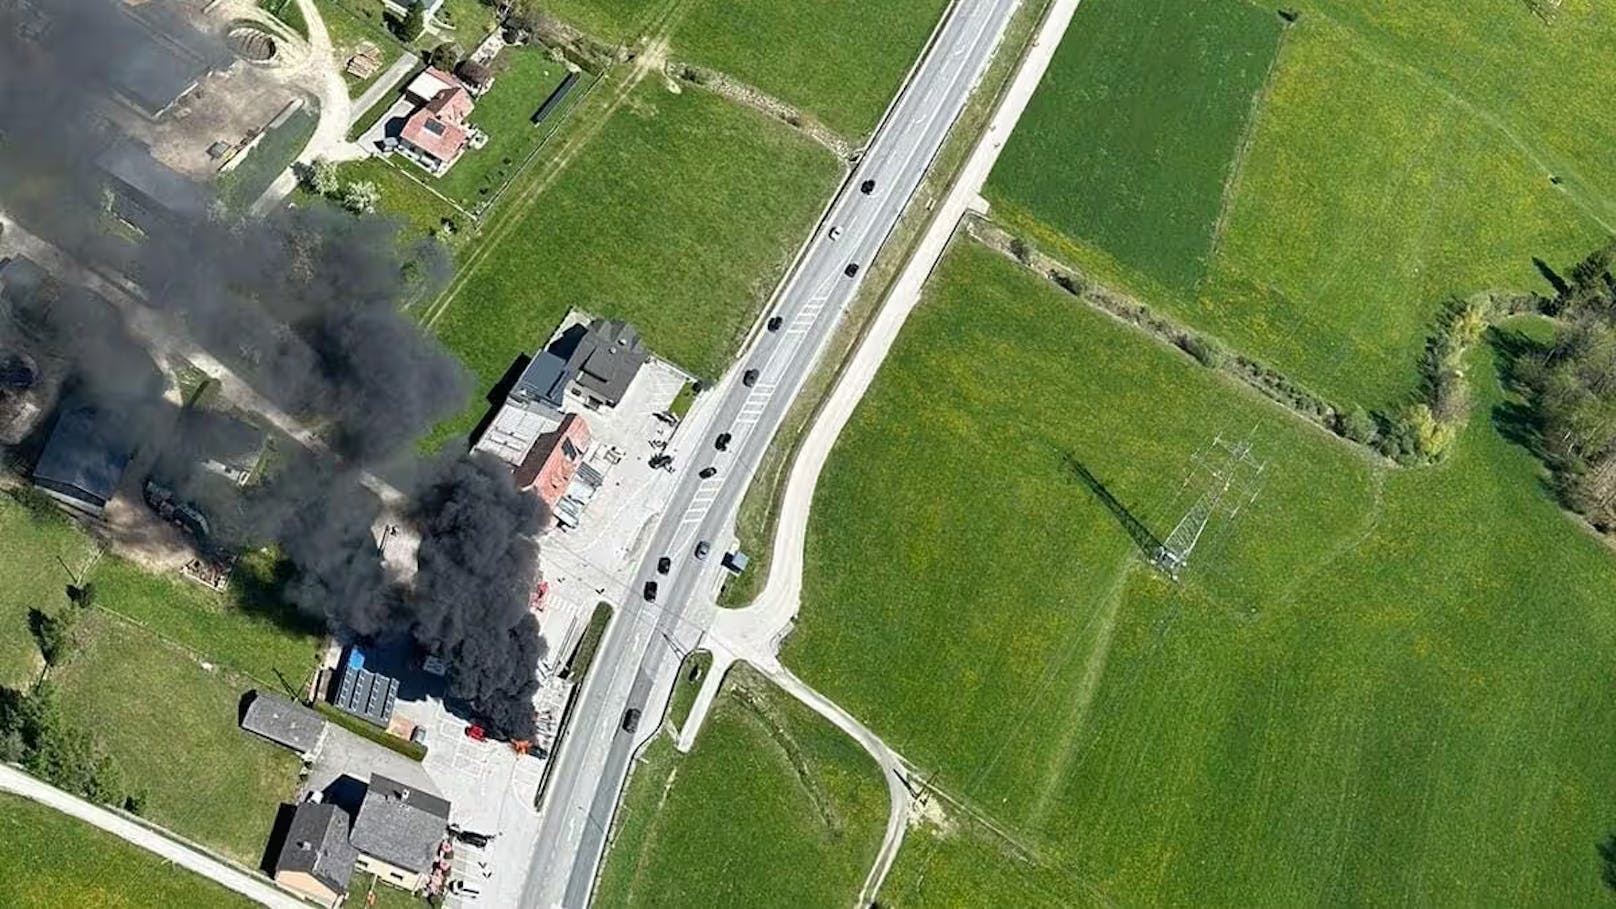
(496, 395)
(258, 588)
(1147, 541)
(1559, 284)
(1607, 861)
(37, 620)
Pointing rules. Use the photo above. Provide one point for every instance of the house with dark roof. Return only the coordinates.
(604, 358)
(363, 692)
(284, 722)
(548, 469)
(437, 133)
(317, 859)
(397, 832)
(83, 460)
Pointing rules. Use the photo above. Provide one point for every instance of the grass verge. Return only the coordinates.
(242, 186)
(583, 655)
(692, 673)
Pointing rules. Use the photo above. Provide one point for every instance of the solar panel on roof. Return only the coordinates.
(434, 127)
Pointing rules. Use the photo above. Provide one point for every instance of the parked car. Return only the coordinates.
(476, 733)
(835, 232)
(722, 442)
(659, 461)
(775, 322)
(663, 565)
(851, 269)
(749, 378)
(867, 187)
(631, 719)
(650, 591)
(708, 473)
(703, 548)
(418, 736)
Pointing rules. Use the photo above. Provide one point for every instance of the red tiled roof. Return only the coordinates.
(435, 136)
(452, 104)
(550, 464)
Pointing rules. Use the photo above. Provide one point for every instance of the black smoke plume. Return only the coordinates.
(304, 305)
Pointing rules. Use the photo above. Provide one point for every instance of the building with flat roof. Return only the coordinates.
(317, 859)
(83, 461)
(397, 832)
(365, 694)
(284, 722)
(531, 409)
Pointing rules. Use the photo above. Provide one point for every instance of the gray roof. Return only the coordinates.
(317, 844)
(283, 722)
(400, 825)
(606, 358)
(153, 185)
(21, 278)
(545, 380)
(84, 458)
(222, 438)
(163, 55)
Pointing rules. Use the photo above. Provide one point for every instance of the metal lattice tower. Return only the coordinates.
(1227, 476)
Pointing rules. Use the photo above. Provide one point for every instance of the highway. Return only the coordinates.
(592, 764)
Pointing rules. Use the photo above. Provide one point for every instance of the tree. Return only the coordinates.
(525, 16)
(414, 24)
(360, 197)
(321, 178)
(54, 634)
(1357, 425)
(444, 56)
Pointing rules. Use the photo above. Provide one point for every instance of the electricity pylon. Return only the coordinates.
(1226, 476)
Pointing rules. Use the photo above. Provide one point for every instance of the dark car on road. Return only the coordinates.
(631, 719)
(650, 591)
(851, 269)
(703, 548)
(867, 187)
(659, 461)
(708, 473)
(663, 565)
(775, 322)
(722, 442)
(749, 378)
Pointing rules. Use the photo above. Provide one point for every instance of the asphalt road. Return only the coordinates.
(592, 765)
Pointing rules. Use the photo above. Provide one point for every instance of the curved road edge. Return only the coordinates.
(250, 886)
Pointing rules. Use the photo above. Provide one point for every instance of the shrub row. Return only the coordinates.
(366, 730)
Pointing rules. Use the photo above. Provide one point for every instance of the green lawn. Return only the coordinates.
(33, 551)
(608, 20)
(171, 726)
(248, 628)
(387, 897)
(773, 807)
(526, 78)
(1402, 153)
(289, 13)
(680, 216)
(692, 675)
(352, 23)
(55, 861)
(840, 60)
(1375, 687)
(242, 186)
(1129, 152)
(402, 197)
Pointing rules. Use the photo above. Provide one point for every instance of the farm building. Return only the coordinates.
(284, 722)
(83, 461)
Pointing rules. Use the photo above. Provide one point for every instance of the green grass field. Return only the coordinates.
(1375, 687)
(241, 187)
(608, 20)
(55, 861)
(1128, 142)
(840, 60)
(680, 216)
(526, 78)
(248, 628)
(171, 725)
(402, 197)
(34, 551)
(1399, 156)
(772, 807)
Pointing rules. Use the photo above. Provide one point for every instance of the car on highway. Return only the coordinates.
(650, 591)
(749, 378)
(707, 473)
(703, 548)
(722, 442)
(851, 269)
(775, 322)
(663, 565)
(835, 231)
(631, 719)
(867, 187)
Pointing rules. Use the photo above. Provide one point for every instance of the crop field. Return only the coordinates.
(840, 60)
(170, 722)
(1399, 155)
(680, 216)
(772, 807)
(1372, 686)
(69, 863)
(1128, 142)
(34, 550)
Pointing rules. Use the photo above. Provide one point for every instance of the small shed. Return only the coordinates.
(284, 722)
